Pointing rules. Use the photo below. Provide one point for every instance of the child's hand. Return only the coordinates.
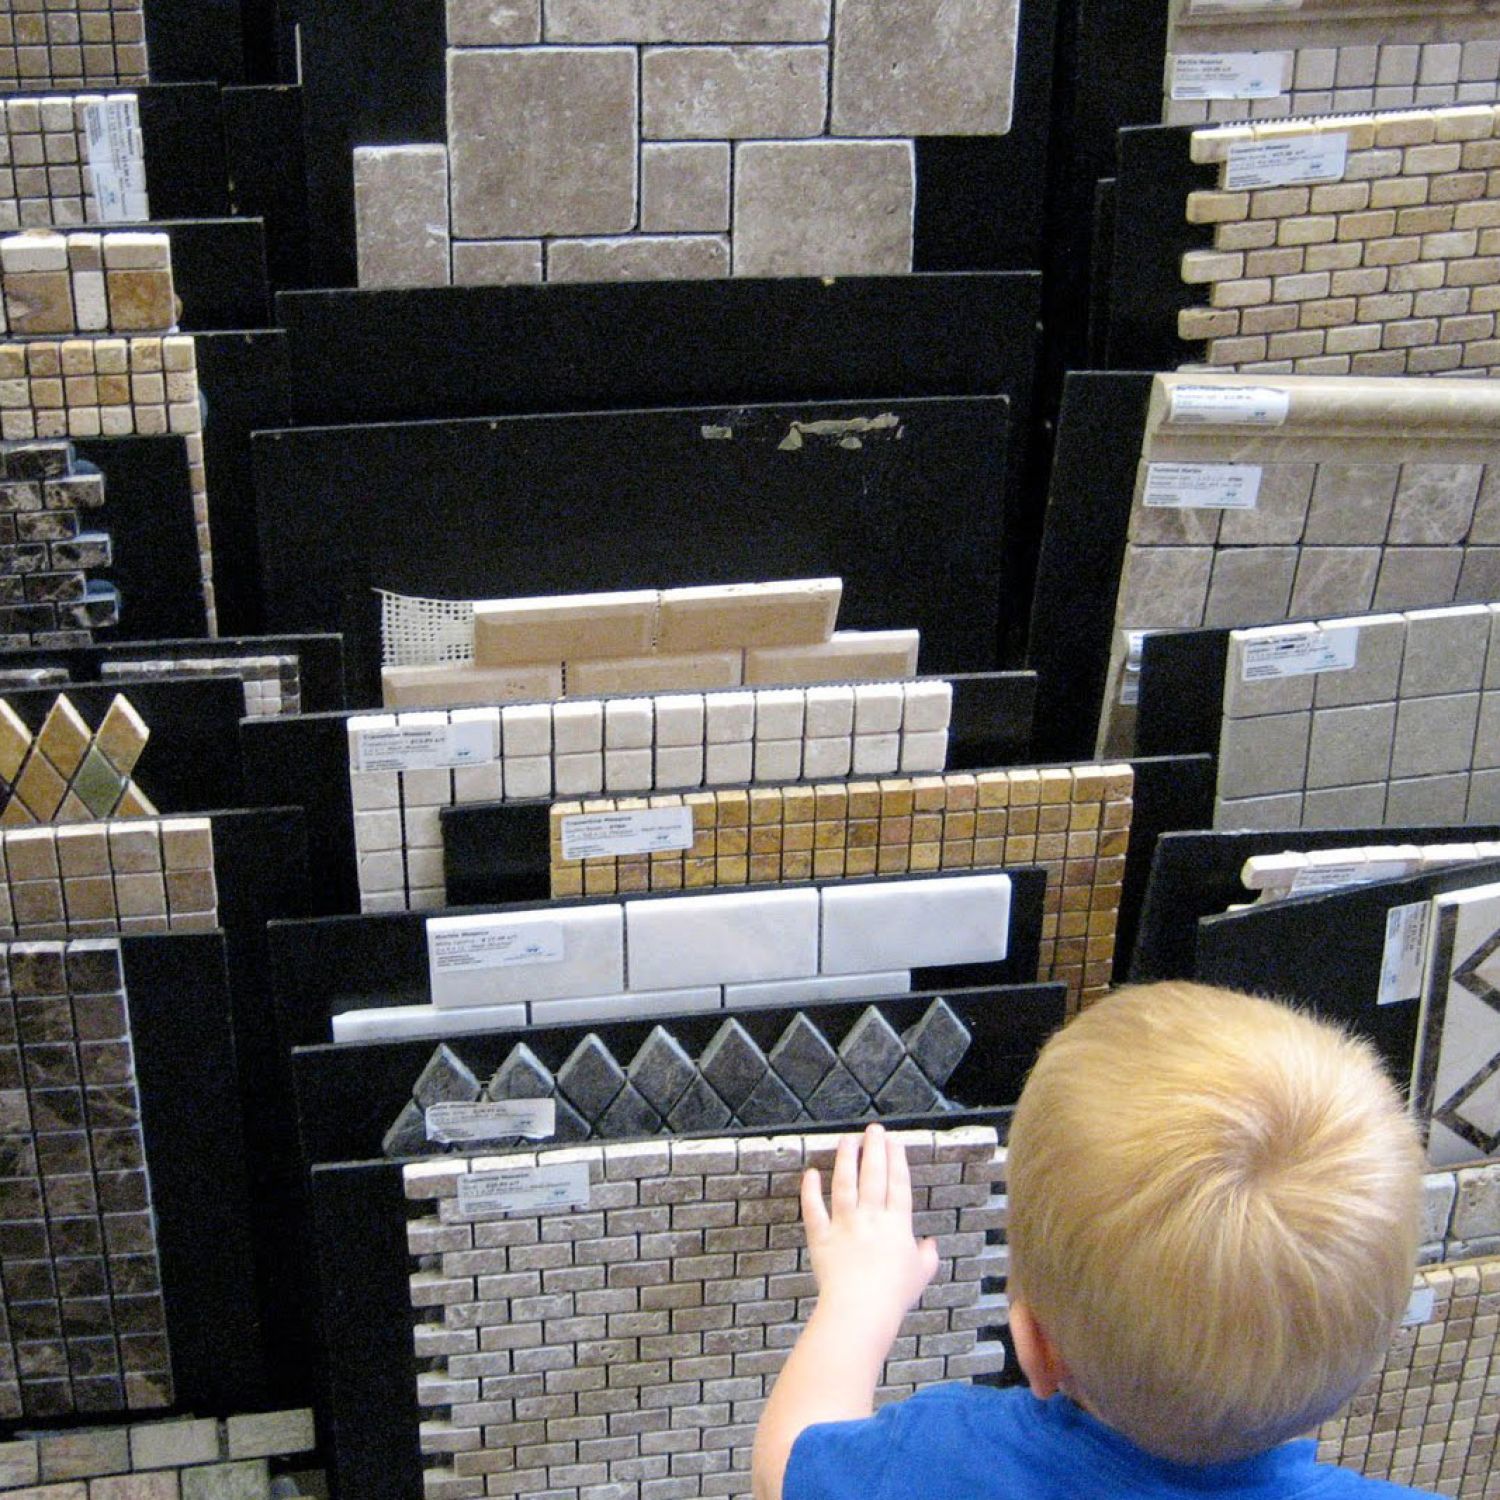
(868, 1265)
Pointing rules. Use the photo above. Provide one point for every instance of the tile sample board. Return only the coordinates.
(73, 46)
(273, 684)
(52, 180)
(88, 283)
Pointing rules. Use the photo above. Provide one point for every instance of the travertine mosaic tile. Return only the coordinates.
(1073, 822)
(273, 684)
(1384, 263)
(632, 1340)
(84, 1322)
(87, 283)
(1318, 497)
(72, 44)
(754, 141)
(72, 159)
(590, 747)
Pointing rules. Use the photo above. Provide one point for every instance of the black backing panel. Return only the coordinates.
(219, 272)
(182, 132)
(1181, 708)
(263, 142)
(193, 40)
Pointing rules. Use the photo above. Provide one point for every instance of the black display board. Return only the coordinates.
(1196, 875)
(182, 135)
(1181, 708)
(189, 41)
(267, 180)
(219, 272)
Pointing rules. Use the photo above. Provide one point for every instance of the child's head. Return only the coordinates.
(1214, 1213)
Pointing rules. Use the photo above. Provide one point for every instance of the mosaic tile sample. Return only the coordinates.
(655, 1318)
(438, 655)
(1367, 494)
(85, 1326)
(1277, 876)
(1329, 57)
(48, 546)
(87, 283)
(72, 44)
(1407, 734)
(805, 1077)
(47, 170)
(584, 748)
(1428, 1417)
(1389, 265)
(273, 684)
(1074, 823)
(751, 140)
(179, 1459)
(111, 387)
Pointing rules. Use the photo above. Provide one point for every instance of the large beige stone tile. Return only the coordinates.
(401, 215)
(733, 93)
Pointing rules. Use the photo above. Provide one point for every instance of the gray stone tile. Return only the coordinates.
(494, 23)
(906, 1092)
(1280, 509)
(1376, 674)
(1164, 586)
(1258, 757)
(590, 1078)
(1479, 582)
(1445, 651)
(571, 1126)
(629, 1114)
(1435, 736)
(523, 1075)
(687, 21)
(1351, 504)
(1351, 746)
(1427, 799)
(733, 93)
(733, 1064)
(1345, 807)
(1335, 581)
(1435, 504)
(401, 215)
(408, 1136)
(445, 1080)
(770, 1103)
(938, 1043)
(661, 1070)
(641, 257)
(685, 187)
(839, 1097)
(872, 1050)
(1251, 586)
(700, 1108)
(235, 1481)
(803, 1055)
(497, 262)
(1418, 577)
(1258, 814)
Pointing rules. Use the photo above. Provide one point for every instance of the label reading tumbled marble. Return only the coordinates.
(434, 747)
(1405, 959)
(1202, 486)
(603, 835)
(524, 1190)
(116, 160)
(458, 946)
(1228, 75)
(1229, 406)
(1301, 655)
(457, 1123)
(1263, 164)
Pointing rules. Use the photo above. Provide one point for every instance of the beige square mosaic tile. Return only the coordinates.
(72, 44)
(72, 159)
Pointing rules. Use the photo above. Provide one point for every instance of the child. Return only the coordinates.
(1214, 1212)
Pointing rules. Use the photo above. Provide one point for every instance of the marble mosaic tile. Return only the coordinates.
(586, 748)
(1073, 822)
(72, 44)
(632, 1340)
(87, 283)
(71, 159)
(273, 684)
(1291, 873)
(756, 140)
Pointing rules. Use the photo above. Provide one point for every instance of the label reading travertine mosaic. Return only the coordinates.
(456, 1123)
(604, 835)
(1264, 164)
(117, 160)
(1228, 75)
(524, 1190)
(456, 945)
(434, 747)
(1405, 960)
(1229, 406)
(1202, 486)
(1301, 656)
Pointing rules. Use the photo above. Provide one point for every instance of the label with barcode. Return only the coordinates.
(1335, 877)
(427, 747)
(1229, 75)
(456, 1123)
(1335, 650)
(1308, 158)
(1202, 486)
(1404, 962)
(464, 944)
(653, 830)
(1229, 406)
(524, 1190)
(117, 160)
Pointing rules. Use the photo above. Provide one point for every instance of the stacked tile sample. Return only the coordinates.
(78, 879)
(1408, 734)
(47, 549)
(1378, 493)
(582, 645)
(584, 748)
(1277, 876)
(50, 174)
(632, 1340)
(184, 1458)
(84, 1322)
(273, 684)
(621, 141)
(68, 772)
(1460, 1214)
(805, 1077)
(1384, 263)
(1074, 823)
(87, 283)
(1328, 57)
(74, 44)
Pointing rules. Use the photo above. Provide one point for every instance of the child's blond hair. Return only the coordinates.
(1214, 1215)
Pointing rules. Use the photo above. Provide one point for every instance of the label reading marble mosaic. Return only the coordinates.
(525, 1190)
(465, 946)
(1264, 164)
(458, 1123)
(435, 747)
(1228, 75)
(1202, 486)
(601, 835)
(117, 160)
(1405, 959)
(1229, 406)
(1302, 656)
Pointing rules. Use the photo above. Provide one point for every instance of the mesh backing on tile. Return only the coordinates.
(423, 632)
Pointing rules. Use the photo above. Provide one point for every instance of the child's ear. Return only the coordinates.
(1041, 1362)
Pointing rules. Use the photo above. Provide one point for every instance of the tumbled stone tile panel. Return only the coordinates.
(687, 20)
(494, 23)
(401, 215)
(639, 258)
(733, 93)
(685, 187)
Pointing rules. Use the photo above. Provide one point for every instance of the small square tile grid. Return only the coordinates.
(667, 741)
(1378, 493)
(745, 140)
(87, 283)
(655, 1320)
(273, 684)
(1393, 268)
(1392, 54)
(72, 44)
(1073, 822)
(46, 177)
(810, 1075)
(1410, 734)
(1428, 1416)
(1291, 873)
(47, 549)
(84, 1321)
(111, 387)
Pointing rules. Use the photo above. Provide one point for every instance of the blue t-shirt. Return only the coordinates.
(956, 1442)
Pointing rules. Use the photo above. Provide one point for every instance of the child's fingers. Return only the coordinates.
(872, 1170)
(898, 1177)
(814, 1212)
(927, 1254)
(845, 1193)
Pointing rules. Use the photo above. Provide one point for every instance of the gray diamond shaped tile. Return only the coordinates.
(408, 1136)
(445, 1080)
(523, 1075)
(938, 1042)
(591, 1078)
(908, 1091)
(802, 1057)
(571, 1126)
(771, 1102)
(872, 1050)
(733, 1063)
(699, 1109)
(629, 1115)
(838, 1097)
(661, 1070)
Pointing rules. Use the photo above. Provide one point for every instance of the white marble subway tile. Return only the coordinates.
(821, 990)
(723, 939)
(915, 924)
(580, 951)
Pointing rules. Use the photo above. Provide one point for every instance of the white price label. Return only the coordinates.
(433, 747)
(652, 831)
(1229, 75)
(1404, 962)
(460, 945)
(1336, 877)
(1202, 486)
(1419, 1309)
(117, 160)
(1229, 406)
(1309, 158)
(459, 1124)
(1239, 7)
(1301, 655)
(524, 1190)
